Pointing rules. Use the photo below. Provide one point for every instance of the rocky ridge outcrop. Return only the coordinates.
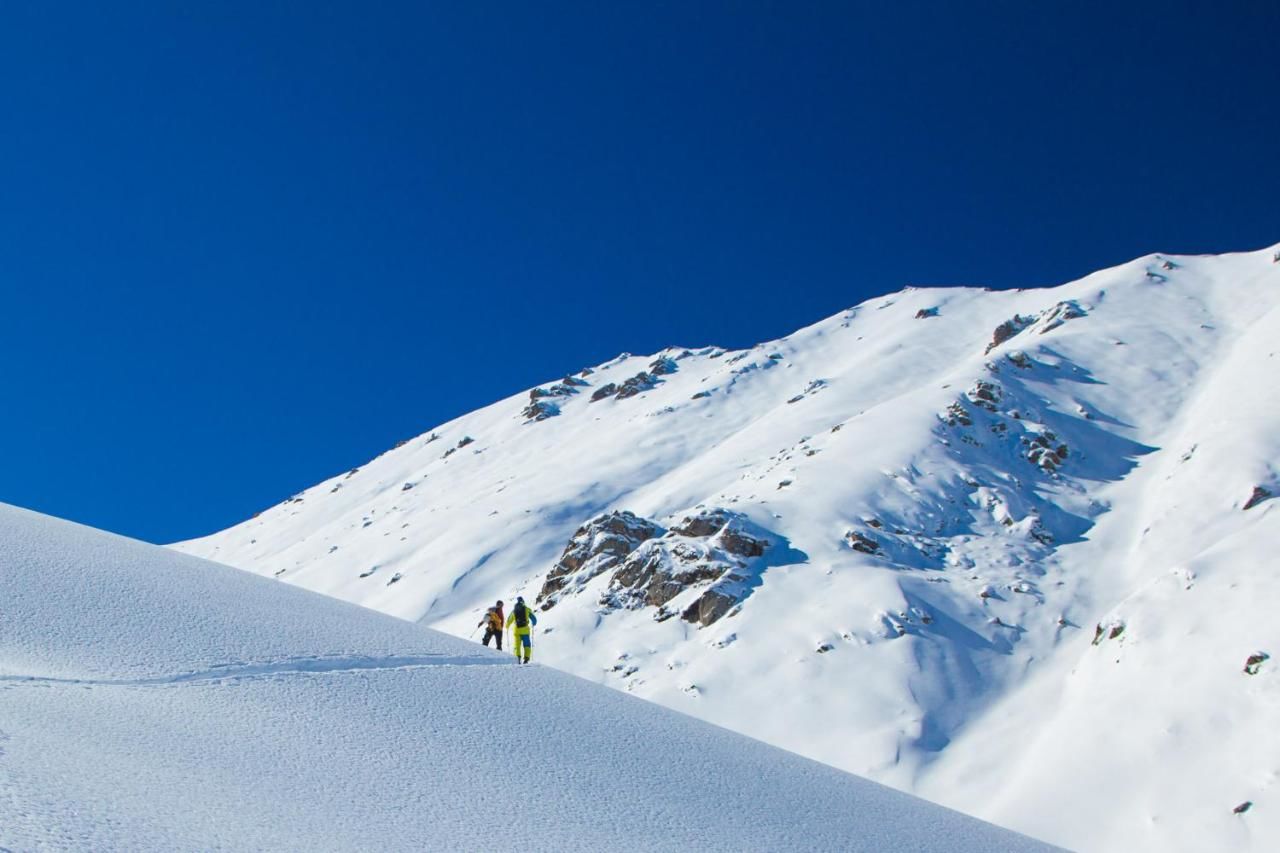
(701, 569)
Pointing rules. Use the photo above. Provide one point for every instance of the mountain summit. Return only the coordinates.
(1010, 550)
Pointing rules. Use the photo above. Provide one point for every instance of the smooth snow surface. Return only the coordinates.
(153, 701)
(961, 489)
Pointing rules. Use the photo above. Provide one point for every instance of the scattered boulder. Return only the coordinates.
(700, 395)
(1254, 662)
(540, 410)
(1259, 495)
(637, 384)
(1019, 359)
(925, 313)
(1007, 330)
(663, 366)
(956, 415)
(862, 542)
(1108, 631)
(1247, 804)
(984, 394)
(606, 390)
(1041, 450)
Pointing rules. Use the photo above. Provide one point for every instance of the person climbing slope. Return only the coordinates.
(523, 619)
(493, 625)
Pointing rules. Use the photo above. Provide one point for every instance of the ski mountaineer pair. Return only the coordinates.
(523, 618)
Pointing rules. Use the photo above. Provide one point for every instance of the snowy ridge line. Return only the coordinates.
(288, 666)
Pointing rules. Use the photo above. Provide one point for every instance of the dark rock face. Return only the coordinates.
(599, 545)
(647, 577)
(1007, 330)
(956, 415)
(711, 550)
(984, 394)
(540, 410)
(603, 391)
(663, 366)
(862, 542)
(1041, 450)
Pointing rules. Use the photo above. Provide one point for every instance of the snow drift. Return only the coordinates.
(154, 701)
(1012, 550)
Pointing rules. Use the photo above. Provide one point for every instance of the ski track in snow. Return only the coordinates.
(304, 723)
(335, 665)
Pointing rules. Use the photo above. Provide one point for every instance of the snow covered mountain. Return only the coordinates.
(1008, 550)
(151, 701)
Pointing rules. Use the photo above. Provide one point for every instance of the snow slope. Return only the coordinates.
(952, 493)
(152, 701)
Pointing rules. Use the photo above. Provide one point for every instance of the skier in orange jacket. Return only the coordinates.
(493, 625)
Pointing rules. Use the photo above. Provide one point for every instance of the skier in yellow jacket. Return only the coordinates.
(523, 619)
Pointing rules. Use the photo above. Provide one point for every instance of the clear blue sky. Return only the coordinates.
(244, 246)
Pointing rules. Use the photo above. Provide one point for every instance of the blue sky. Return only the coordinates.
(247, 245)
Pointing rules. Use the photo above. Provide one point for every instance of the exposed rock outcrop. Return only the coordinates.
(1007, 330)
(540, 410)
(596, 547)
(663, 366)
(637, 384)
(1059, 314)
(701, 569)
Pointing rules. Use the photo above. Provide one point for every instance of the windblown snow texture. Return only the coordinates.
(153, 701)
(1020, 545)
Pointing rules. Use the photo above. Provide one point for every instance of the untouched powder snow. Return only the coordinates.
(153, 701)
(1012, 551)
